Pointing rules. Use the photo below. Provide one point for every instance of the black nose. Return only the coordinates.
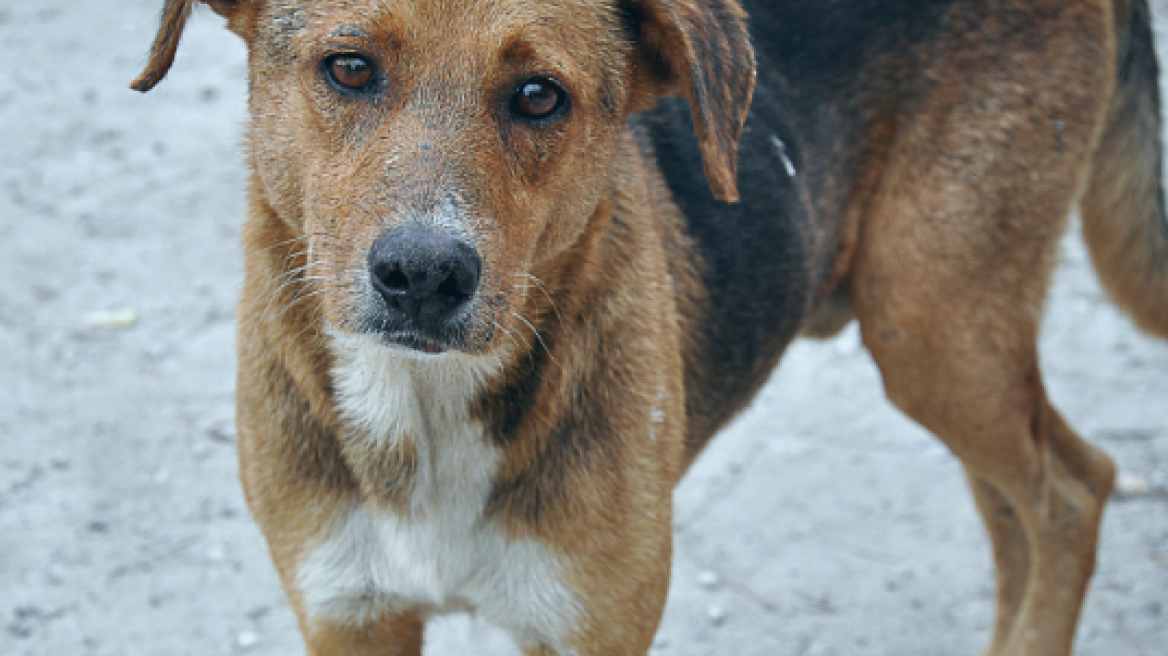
(423, 272)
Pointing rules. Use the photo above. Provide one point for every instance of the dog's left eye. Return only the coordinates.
(538, 98)
(352, 72)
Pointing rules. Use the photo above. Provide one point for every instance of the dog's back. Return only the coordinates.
(836, 83)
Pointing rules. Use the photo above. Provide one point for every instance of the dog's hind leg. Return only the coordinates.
(1040, 489)
(949, 303)
(1012, 547)
(1011, 555)
(953, 261)
(951, 318)
(961, 360)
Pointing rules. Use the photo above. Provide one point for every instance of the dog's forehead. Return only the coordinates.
(479, 25)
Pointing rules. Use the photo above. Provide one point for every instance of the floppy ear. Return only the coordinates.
(700, 50)
(174, 18)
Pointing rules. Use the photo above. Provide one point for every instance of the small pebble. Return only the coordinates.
(20, 630)
(98, 526)
(1129, 486)
(247, 640)
(716, 614)
(26, 611)
(111, 318)
(222, 432)
(708, 579)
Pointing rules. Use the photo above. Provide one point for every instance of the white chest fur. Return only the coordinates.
(442, 554)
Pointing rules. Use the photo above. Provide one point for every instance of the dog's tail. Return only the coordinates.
(1124, 218)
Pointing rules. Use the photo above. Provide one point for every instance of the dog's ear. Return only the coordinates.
(700, 50)
(174, 18)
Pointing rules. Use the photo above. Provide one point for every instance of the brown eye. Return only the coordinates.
(538, 98)
(352, 72)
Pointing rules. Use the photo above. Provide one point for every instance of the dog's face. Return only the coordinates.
(436, 153)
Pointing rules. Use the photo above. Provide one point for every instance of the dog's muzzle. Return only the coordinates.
(426, 277)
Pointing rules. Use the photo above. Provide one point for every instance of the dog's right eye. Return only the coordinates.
(350, 72)
(538, 99)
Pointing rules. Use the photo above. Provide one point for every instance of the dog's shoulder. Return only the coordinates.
(751, 267)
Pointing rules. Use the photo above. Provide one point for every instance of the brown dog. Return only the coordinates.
(492, 313)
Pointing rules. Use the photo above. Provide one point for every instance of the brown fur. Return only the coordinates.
(1041, 488)
(1124, 218)
(941, 244)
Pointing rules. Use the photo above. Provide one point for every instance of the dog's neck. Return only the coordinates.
(426, 468)
(411, 441)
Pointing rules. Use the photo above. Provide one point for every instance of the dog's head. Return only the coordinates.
(434, 153)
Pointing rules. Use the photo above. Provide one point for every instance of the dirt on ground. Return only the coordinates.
(822, 522)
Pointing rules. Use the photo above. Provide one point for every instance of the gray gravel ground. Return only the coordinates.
(822, 522)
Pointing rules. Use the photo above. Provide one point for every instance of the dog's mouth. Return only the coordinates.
(468, 333)
(416, 342)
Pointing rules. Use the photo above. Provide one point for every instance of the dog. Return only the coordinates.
(510, 264)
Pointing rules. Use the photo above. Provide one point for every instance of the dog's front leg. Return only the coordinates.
(597, 498)
(620, 606)
(398, 634)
